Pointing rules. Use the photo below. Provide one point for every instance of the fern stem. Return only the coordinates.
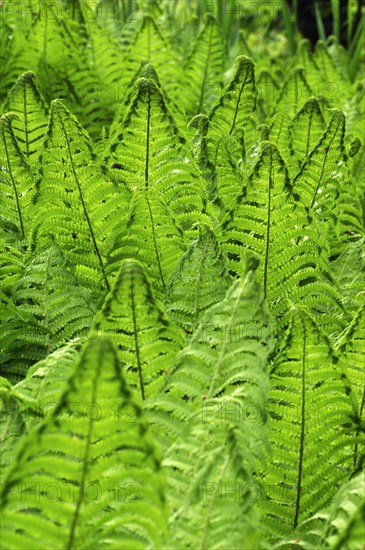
(301, 449)
(323, 167)
(268, 227)
(136, 344)
(26, 121)
(155, 246)
(148, 122)
(85, 210)
(237, 106)
(14, 186)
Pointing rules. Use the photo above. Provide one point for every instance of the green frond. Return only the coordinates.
(267, 92)
(150, 46)
(294, 93)
(279, 135)
(152, 236)
(16, 184)
(25, 100)
(100, 455)
(332, 80)
(219, 385)
(149, 151)
(293, 254)
(50, 308)
(309, 408)
(322, 184)
(199, 281)
(339, 526)
(204, 69)
(33, 399)
(305, 58)
(12, 264)
(146, 341)
(75, 204)
(11, 424)
(349, 271)
(351, 350)
(306, 130)
(45, 382)
(228, 117)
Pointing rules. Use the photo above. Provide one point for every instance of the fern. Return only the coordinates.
(308, 402)
(199, 281)
(217, 394)
(229, 116)
(340, 525)
(150, 152)
(204, 67)
(51, 307)
(306, 130)
(16, 185)
(88, 431)
(25, 100)
(182, 225)
(75, 204)
(351, 351)
(267, 221)
(145, 339)
(150, 222)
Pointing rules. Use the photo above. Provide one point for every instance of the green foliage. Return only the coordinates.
(182, 227)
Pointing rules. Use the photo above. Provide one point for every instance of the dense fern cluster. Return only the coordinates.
(182, 307)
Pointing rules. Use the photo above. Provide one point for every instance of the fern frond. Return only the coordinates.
(75, 204)
(267, 92)
(351, 350)
(199, 281)
(322, 184)
(294, 93)
(145, 339)
(90, 456)
(308, 406)
(150, 151)
(204, 68)
(11, 424)
(305, 58)
(33, 399)
(339, 526)
(25, 100)
(306, 130)
(268, 222)
(217, 397)
(349, 271)
(151, 236)
(51, 308)
(150, 46)
(332, 79)
(229, 116)
(16, 184)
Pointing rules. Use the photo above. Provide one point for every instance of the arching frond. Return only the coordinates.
(87, 435)
(16, 184)
(309, 407)
(146, 341)
(25, 100)
(75, 203)
(204, 68)
(50, 308)
(150, 151)
(217, 394)
(267, 221)
(199, 281)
